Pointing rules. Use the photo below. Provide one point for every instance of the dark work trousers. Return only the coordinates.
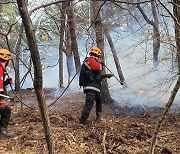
(91, 96)
(5, 116)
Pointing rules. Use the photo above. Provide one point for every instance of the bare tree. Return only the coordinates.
(2, 44)
(113, 49)
(17, 51)
(62, 16)
(28, 26)
(156, 33)
(176, 10)
(100, 43)
(68, 53)
(74, 47)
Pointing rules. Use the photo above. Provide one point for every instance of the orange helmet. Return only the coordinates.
(96, 51)
(5, 54)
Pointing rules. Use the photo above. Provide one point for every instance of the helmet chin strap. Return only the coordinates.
(7, 63)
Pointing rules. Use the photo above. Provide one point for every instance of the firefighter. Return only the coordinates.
(92, 84)
(5, 111)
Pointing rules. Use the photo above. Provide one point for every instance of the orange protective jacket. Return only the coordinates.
(95, 66)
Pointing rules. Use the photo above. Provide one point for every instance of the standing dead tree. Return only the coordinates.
(17, 50)
(100, 43)
(71, 22)
(113, 49)
(156, 33)
(68, 52)
(176, 10)
(62, 7)
(28, 26)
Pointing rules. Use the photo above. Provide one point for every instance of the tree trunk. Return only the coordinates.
(17, 50)
(28, 26)
(0, 16)
(68, 54)
(156, 45)
(74, 47)
(156, 33)
(176, 11)
(62, 9)
(113, 49)
(100, 43)
(1, 40)
(16, 67)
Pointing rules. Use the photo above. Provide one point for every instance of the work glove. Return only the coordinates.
(2, 104)
(99, 60)
(8, 81)
(102, 63)
(109, 75)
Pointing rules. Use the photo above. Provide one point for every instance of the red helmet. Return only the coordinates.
(96, 51)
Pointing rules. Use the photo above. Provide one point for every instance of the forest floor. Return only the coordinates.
(123, 130)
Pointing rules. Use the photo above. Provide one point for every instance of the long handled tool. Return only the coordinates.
(5, 96)
(115, 77)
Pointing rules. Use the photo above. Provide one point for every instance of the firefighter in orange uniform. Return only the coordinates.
(5, 111)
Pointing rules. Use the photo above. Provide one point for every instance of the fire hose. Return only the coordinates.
(61, 93)
(115, 77)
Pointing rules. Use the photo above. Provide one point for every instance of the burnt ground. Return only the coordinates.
(123, 131)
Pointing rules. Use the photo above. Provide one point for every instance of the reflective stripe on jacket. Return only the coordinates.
(2, 70)
(93, 76)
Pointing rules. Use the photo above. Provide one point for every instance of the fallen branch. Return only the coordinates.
(103, 142)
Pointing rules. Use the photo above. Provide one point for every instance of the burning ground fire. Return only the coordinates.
(139, 100)
(141, 91)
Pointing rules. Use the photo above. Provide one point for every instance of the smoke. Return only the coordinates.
(147, 86)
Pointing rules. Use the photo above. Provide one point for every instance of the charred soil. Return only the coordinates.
(121, 131)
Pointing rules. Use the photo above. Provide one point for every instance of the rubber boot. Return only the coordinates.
(98, 116)
(82, 120)
(4, 134)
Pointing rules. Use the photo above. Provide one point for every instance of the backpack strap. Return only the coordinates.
(87, 65)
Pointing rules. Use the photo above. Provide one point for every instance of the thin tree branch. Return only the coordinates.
(132, 3)
(96, 16)
(144, 15)
(48, 4)
(175, 4)
(128, 12)
(175, 19)
(54, 19)
(6, 2)
(7, 33)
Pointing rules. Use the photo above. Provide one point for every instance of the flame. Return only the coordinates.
(141, 91)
